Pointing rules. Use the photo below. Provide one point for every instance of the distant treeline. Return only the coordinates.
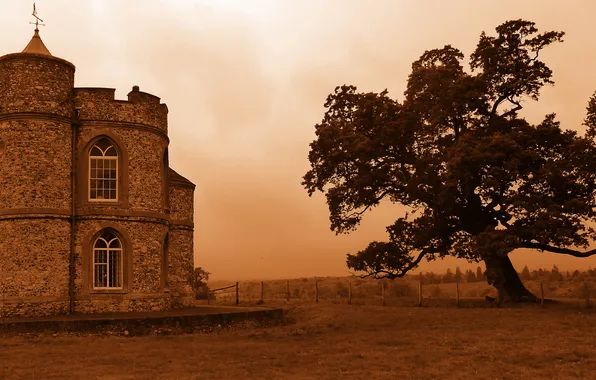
(469, 275)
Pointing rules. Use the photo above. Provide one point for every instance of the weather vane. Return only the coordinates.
(37, 19)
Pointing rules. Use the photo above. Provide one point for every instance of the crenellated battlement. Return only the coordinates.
(99, 104)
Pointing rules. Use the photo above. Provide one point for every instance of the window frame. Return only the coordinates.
(87, 275)
(108, 251)
(103, 158)
(82, 175)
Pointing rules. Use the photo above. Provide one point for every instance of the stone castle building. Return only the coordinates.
(92, 218)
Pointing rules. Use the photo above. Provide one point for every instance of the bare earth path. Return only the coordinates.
(329, 341)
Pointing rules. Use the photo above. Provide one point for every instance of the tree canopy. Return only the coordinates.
(478, 180)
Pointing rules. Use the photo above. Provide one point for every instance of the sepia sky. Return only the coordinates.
(245, 82)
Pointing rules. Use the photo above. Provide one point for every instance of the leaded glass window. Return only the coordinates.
(107, 262)
(103, 172)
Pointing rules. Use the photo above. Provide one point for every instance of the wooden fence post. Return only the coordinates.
(383, 292)
(288, 289)
(316, 290)
(350, 293)
(237, 297)
(420, 291)
(541, 294)
(262, 291)
(457, 294)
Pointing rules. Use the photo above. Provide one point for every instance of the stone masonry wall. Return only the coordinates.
(181, 203)
(143, 251)
(181, 249)
(141, 108)
(35, 110)
(180, 262)
(34, 257)
(35, 166)
(123, 303)
(32, 83)
(145, 161)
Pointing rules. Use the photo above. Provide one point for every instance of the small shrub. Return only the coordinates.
(204, 294)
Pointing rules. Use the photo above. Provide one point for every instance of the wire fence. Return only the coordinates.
(397, 292)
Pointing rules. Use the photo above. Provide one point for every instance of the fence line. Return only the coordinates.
(350, 293)
(420, 291)
(383, 293)
(212, 292)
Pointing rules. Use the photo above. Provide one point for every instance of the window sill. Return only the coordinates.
(115, 291)
(91, 204)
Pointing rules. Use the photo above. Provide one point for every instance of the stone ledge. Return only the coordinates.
(90, 123)
(34, 213)
(141, 323)
(36, 57)
(35, 116)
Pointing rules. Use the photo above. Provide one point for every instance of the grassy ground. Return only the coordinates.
(333, 341)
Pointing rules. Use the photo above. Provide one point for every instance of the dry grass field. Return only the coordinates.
(333, 341)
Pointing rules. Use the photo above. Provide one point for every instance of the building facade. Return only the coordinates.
(92, 218)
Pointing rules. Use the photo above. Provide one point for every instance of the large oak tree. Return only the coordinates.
(477, 179)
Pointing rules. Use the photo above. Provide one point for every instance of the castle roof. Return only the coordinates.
(177, 179)
(36, 45)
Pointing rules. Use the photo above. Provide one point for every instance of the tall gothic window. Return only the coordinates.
(103, 172)
(107, 262)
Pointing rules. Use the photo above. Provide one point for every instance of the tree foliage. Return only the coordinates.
(478, 180)
(199, 279)
(525, 274)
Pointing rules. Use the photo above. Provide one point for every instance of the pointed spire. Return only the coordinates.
(36, 45)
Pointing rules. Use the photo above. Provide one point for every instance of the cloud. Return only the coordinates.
(245, 84)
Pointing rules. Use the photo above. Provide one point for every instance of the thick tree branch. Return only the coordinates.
(500, 100)
(563, 251)
(374, 203)
(512, 111)
(403, 271)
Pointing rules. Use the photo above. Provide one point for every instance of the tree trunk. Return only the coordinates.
(501, 274)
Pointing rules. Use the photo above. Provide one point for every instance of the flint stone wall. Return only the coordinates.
(141, 108)
(36, 83)
(34, 260)
(145, 172)
(181, 203)
(35, 165)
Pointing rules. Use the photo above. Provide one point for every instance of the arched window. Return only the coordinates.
(107, 262)
(103, 172)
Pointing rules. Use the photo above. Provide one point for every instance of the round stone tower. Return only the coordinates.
(36, 111)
